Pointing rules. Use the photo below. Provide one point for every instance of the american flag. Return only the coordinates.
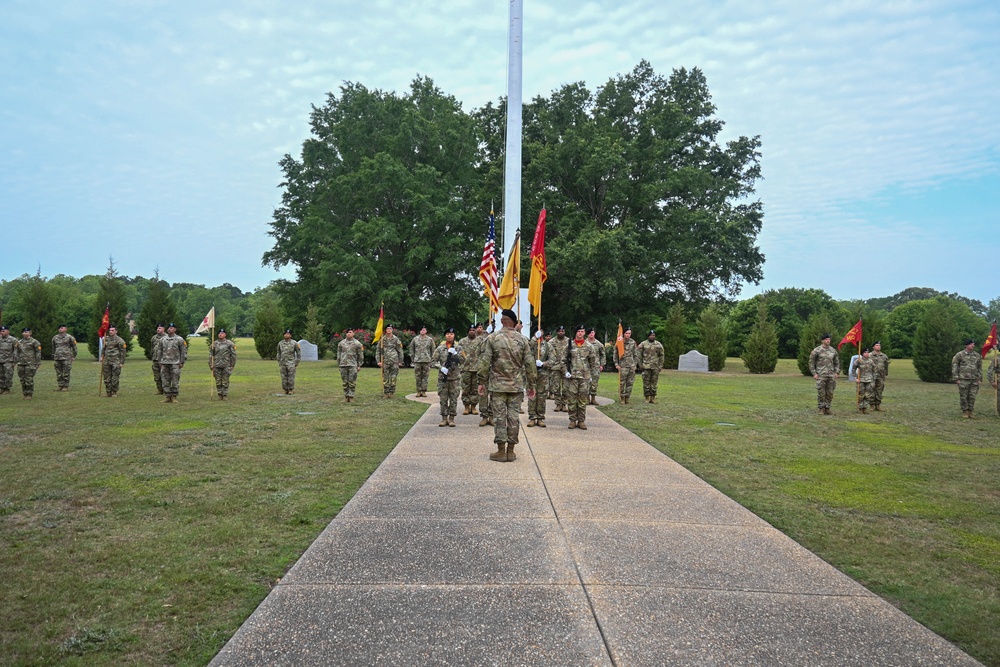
(488, 268)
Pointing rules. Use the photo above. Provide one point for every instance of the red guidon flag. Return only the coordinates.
(105, 322)
(539, 274)
(853, 336)
(991, 340)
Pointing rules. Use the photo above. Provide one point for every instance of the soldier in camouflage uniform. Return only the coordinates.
(824, 364)
(865, 374)
(448, 360)
(505, 362)
(389, 356)
(625, 365)
(881, 373)
(599, 350)
(7, 345)
(992, 376)
(154, 343)
(350, 356)
(421, 351)
(289, 355)
(536, 406)
(112, 359)
(555, 364)
(27, 357)
(650, 352)
(63, 354)
(470, 364)
(222, 361)
(581, 364)
(967, 371)
(173, 354)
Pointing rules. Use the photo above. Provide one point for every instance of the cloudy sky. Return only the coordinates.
(150, 131)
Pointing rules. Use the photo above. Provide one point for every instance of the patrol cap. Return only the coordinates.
(968, 341)
(825, 336)
(508, 313)
(450, 330)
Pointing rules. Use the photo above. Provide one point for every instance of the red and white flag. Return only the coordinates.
(208, 322)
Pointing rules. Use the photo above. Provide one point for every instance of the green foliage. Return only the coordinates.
(789, 308)
(873, 328)
(760, 352)
(712, 337)
(674, 336)
(268, 329)
(111, 294)
(890, 303)
(935, 343)
(158, 308)
(901, 324)
(314, 330)
(817, 325)
(35, 305)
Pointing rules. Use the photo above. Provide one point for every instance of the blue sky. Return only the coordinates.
(151, 131)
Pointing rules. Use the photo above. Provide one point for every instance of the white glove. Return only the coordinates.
(539, 363)
(538, 334)
(569, 376)
(452, 350)
(444, 371)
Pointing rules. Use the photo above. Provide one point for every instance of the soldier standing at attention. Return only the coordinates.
(7, 345)
(506, 362)
(625, 365)
(28, 357)
(389, 356)
(421, 351)
(155, 356)
(992, 376)
(601, 357)
(222, 361)
(865, 372)
(350, 356)
(173, 354)
(536, 405)
(824, 364)
(650, 353)
(289, 356)
(448, 360)
(881, 373)
(581, 364)
(470, 362)
(555, 364)
(112, 359)
(63, 354)
(485, 402)
(967, 371)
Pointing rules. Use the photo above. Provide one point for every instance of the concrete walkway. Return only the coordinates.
(593, 548)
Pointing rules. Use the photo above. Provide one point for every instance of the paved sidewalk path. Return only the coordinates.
(593, 548)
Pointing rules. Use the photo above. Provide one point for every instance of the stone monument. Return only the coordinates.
(693, 362)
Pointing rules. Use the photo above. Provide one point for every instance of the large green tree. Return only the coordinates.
(38, 311)
(712, 337)
(112, 295)
(760, 353)
(380, 207)
(157, 308)
(937, 339)
(789, 308)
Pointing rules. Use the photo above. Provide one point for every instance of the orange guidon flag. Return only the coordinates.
(105, 322)
(620, 343)
(991, 340)
(853, 336)
(539, 274)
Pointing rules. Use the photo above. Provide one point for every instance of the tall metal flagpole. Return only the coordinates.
(512, 165)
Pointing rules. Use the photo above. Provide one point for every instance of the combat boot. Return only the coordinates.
(572, 424)
(531, 422)
(971, 416)
(864, 411)
(168, 399)
(485, 421)
(444, 421)
(541, 423)
(500, 454)
(468, 410)
(511, 456)
(451, 420)
(475, 410)
(582, 426)
(652, 399)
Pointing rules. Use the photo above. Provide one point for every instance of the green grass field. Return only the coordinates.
(141, 533)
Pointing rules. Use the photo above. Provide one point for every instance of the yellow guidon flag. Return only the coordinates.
(511, 282)
(380, 325)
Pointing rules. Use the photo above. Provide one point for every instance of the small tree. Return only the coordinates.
(38, 305)
(267, 328)
(712, 337)
(158, 308)
(935, 342)
(314, 330)
(817, 325)
(674, 335)
(760, 352)
(111, 294)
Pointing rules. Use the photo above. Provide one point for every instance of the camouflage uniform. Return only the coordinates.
(421, 352)
(155, 345)
(7, 345)
(993, 377)
(866, 372)
(967, 370)
(881, 360)
(449, 386)
(555, 364)
(505, 362)
(350, 356)
(626, 364)
(470, 363)
(825, 362)
(112, 360)
(536, 405)
(390, 353)
(289, 356)
(222, 359)
(596, 376)
(650, 355)
(581, 364)
(173, 354)
(28, 357)
(63, 354)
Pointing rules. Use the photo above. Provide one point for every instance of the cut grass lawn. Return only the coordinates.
(134, 532)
